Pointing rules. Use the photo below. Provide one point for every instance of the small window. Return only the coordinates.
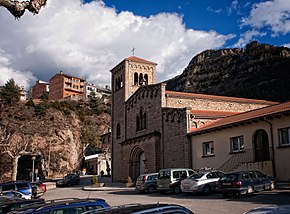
(208, 148)
(237, 144)
(260, 174)
(21, 186)
(284, 136)
(7, 187)
(118, 131)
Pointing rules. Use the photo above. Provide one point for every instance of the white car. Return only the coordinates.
(17, 194)
(203, 182)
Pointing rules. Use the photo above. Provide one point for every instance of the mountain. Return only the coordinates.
(258, 71)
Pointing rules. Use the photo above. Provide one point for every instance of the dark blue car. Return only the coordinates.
(66, 205)
(244, 183)
(21, 186)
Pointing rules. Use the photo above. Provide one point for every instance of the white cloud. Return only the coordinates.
(88, 40)
(248, 36)
(287, 45)
(273, 15)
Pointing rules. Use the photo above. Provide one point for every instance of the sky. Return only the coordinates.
(86, 38)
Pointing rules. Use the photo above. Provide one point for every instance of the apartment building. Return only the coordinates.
(39, 88)
(65, 86)
(96, 91)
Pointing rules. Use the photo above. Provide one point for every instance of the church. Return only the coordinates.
(152, 127)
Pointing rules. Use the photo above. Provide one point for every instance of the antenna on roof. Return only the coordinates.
(133, 50)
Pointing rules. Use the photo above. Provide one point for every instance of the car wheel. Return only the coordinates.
(151, 189)
(176, 190)
(250, 191)
(206, 190)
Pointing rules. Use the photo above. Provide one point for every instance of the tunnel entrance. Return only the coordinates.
(24, 169)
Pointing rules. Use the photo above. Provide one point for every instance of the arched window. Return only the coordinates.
(118, 131)
(135, 78)
(146, 79)
(137, 123)
(145, 120)
(141, 120)
(141, 79)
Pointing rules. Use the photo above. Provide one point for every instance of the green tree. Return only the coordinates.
(89, 138)
(10, 92)
(44, 96)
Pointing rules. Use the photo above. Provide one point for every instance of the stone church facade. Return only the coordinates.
(150, 124)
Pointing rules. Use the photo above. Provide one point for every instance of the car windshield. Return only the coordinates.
(230, 177)
(196, 176)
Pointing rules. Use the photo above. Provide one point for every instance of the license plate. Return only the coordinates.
(226, 184)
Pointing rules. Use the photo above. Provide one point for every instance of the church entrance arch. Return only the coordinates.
(136, 163)
(261, 146)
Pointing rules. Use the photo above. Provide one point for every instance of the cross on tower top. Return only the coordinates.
(133, 50)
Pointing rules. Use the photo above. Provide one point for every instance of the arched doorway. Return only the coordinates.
(261, 146)
(136, 163)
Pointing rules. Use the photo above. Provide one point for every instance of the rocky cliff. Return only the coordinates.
(53, 137)
(257, 71)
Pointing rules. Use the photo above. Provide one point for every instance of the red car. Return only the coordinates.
(38, 189)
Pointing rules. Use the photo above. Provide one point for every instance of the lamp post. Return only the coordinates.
(32, 175)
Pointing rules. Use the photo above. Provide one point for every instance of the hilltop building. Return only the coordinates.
(150, 125)
(63, 86)
(39, 88)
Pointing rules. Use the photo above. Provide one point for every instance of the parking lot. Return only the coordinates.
(213, 203)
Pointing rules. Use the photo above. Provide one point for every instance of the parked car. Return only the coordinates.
(144, 209)
(39, 189)
(147, 182)
(66, 205)
(13, 204)
(244, 183)
(69, 180)
(21, 186)
(169, 179)
(202, 182)
(274, 209)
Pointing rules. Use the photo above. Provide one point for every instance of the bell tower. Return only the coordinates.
(126, 78)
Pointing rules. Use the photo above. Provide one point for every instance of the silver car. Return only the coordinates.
(203, 182)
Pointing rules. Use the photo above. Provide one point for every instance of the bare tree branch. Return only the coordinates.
(17, 8)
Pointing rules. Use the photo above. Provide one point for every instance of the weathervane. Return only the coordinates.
(133, 50)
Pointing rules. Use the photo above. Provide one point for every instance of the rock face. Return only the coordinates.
(53, 138)
(258, 71)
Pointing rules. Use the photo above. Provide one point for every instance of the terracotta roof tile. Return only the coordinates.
(213, 113)
(245, 116)
(137, 59)
(215, 97)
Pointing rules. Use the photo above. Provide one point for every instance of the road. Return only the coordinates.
(213, 203)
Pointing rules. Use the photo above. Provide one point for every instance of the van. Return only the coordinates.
(170, 179)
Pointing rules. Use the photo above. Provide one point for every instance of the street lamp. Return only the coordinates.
(32, 174)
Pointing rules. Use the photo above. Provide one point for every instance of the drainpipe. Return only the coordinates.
(272, 144)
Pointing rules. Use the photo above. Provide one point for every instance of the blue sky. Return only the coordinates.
(88, 38)
(223, 16)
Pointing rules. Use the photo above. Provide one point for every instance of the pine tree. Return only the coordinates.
(10, 92)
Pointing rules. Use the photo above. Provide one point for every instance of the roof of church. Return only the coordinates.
(244, 117)
(215, 97)
(212, 113)
(137, 59)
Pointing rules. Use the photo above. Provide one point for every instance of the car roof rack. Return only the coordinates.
(64, 201)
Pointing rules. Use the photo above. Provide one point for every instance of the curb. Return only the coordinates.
(90, 188)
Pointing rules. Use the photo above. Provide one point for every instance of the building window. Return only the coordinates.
(141, 120)
(118, 131)
(237, 144)
(208, 148)
(284, 136)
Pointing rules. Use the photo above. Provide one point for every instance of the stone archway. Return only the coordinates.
(261, 146)
(136, 162)
(24, 168)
